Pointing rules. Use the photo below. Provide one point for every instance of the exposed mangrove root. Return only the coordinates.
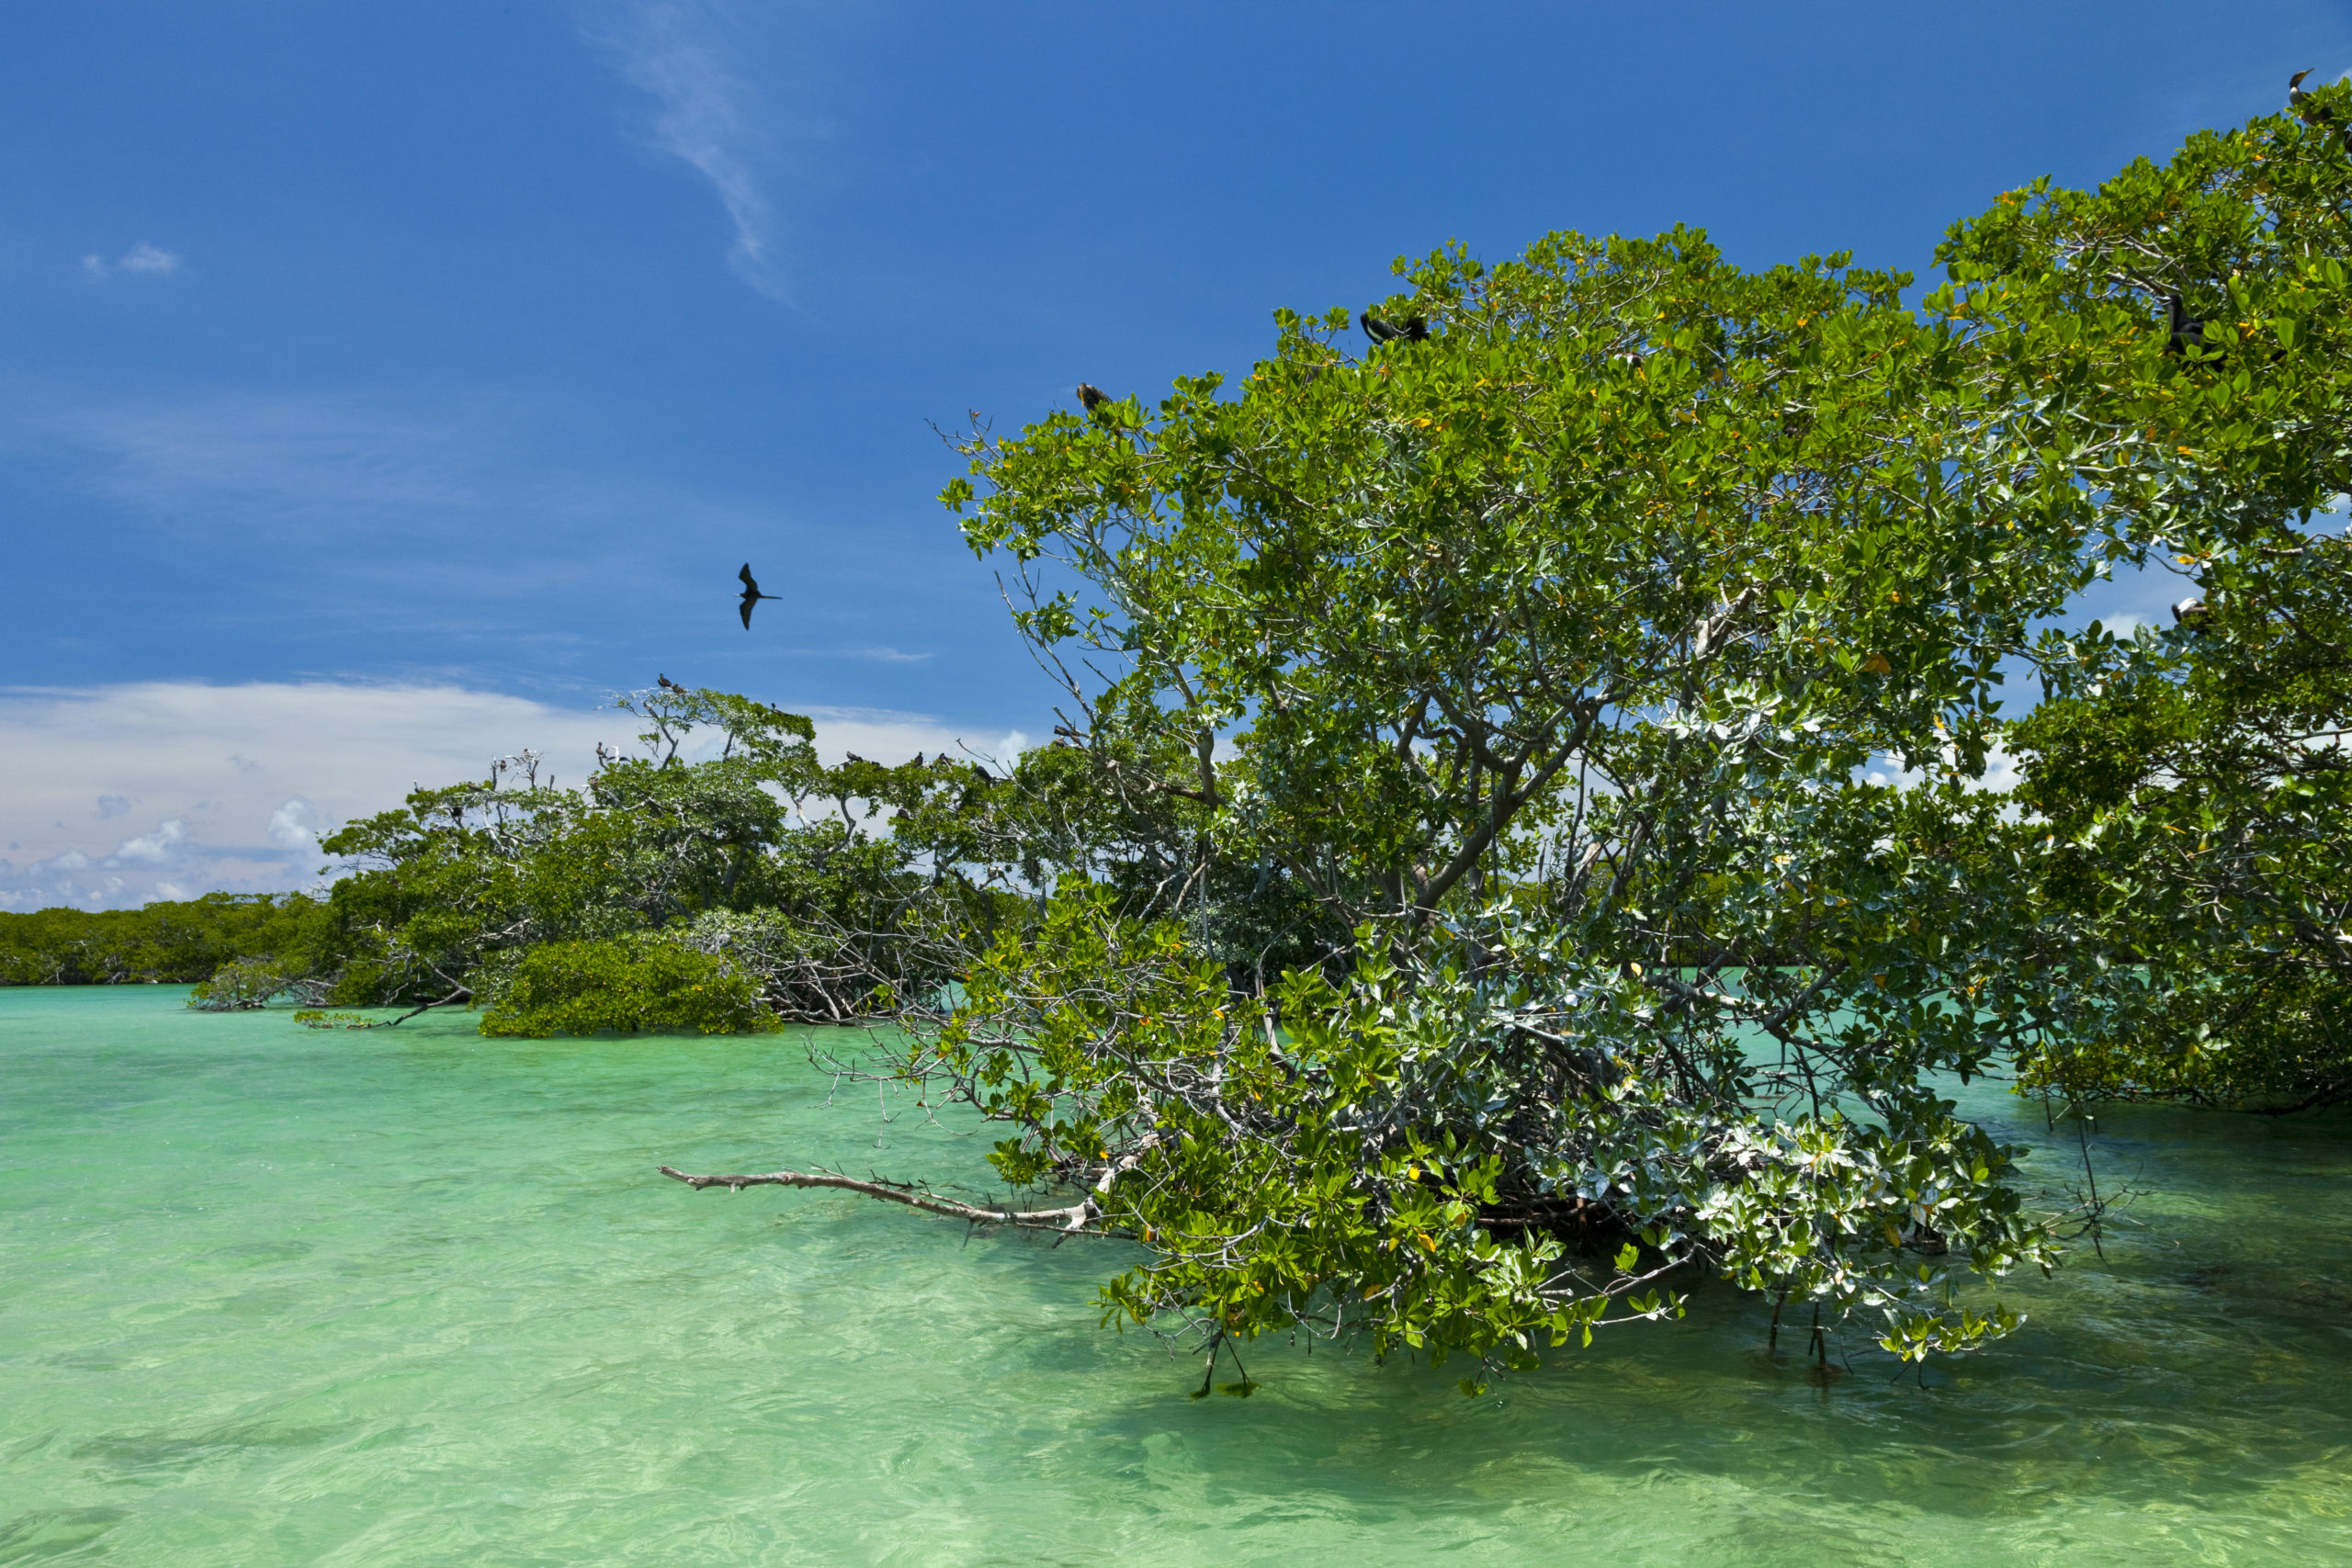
(1223, 1341)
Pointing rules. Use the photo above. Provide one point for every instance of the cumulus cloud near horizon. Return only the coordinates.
(114, 795)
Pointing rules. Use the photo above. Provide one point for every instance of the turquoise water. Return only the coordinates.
(282, 1297)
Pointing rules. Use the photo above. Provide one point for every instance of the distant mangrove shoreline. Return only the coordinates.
(166, 942)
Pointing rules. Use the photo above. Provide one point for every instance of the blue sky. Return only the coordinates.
(384, 384)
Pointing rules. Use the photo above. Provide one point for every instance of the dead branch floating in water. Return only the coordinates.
(1072, 1218)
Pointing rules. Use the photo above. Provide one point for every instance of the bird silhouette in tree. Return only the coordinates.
(2189, 612)
(668, 684)
(1092, 396)
(2306, 110)
(751, 594)
(2188, 334)
(1414, 329)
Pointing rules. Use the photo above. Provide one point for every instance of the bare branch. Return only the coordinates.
(1074, 1217)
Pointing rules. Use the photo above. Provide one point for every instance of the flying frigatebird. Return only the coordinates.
(751, 594)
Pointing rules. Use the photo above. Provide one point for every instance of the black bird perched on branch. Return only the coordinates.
(1091, 396)
(2188, 332)
(2190, 613)
(1415, 329)
(2301, 102)
(668, 684)
(751, 594)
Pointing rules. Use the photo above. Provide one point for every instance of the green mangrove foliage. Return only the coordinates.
(1540, 656)
(716, 894)
(629, 985)
(2188, 784)
(1527, 664)
(164, 942)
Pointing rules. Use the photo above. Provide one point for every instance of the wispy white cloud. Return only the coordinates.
(144, 257)
(243, 780)
(294, 825)
(686, 55)
(156, 847)
(58, 879)
(281, 473)
(142, 260)
(292, 458)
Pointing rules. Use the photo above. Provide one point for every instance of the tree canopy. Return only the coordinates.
(1542, 650)
(168, 943)
(2189, 780)
(1539, 655)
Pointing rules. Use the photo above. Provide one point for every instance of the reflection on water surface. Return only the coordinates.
(277, 1297)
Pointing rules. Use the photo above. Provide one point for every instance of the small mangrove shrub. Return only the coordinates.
(580, 988)
(239, 985)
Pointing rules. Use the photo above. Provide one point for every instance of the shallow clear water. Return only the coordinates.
(270, 1296)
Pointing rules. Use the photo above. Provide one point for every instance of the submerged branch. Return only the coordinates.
(1073, 1217)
